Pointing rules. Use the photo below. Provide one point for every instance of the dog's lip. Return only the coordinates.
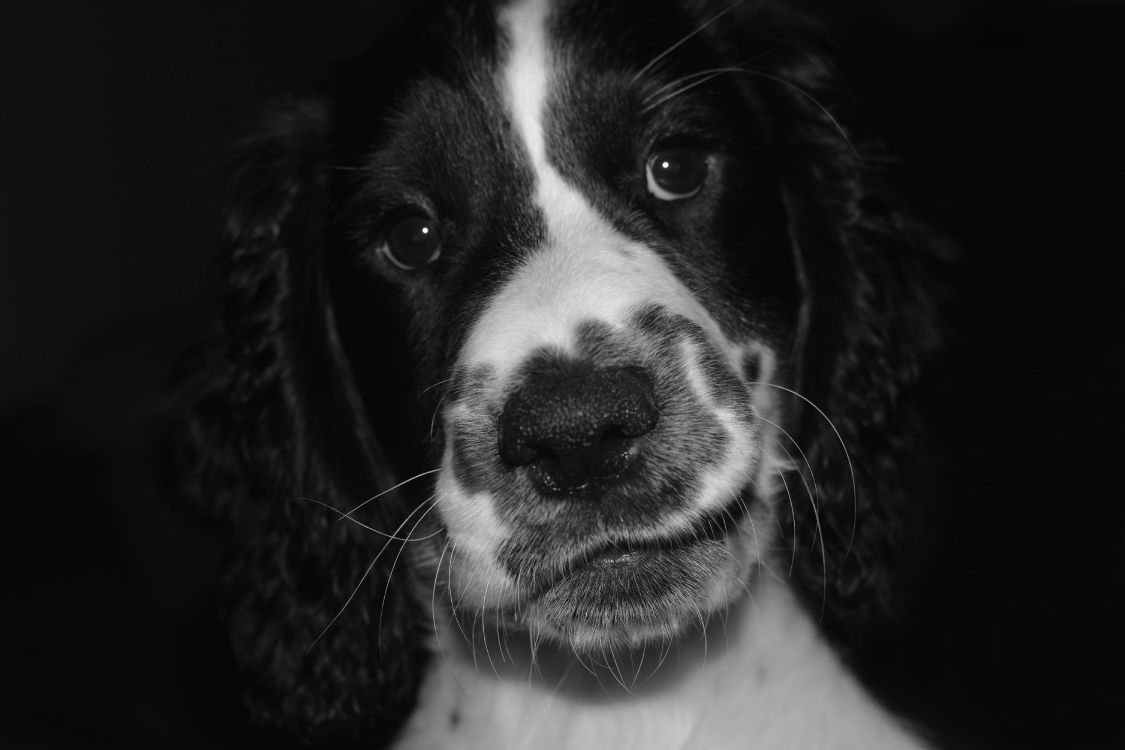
(616, 554)
(634, 588)
(627, 553)
(613, 557)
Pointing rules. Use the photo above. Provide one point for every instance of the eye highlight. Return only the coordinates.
(412, 242)
(674, 174)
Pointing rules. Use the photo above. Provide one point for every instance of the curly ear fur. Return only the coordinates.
(867, 324)
(267, 463)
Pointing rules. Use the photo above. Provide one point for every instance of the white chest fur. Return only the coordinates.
(765, 680)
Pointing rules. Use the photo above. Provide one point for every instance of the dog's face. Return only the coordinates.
(604, 292)
(577, 226)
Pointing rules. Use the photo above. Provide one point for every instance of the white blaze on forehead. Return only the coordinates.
(526, 74)
(586, 269)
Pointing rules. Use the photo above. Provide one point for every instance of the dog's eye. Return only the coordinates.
(412, 242)
(673, 174)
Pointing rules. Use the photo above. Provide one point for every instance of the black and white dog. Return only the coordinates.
(565, 392)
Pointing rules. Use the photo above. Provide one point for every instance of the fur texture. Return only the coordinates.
(339, 375)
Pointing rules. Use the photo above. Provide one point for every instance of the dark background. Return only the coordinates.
(116, 121)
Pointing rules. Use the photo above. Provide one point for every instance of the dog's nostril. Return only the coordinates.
(610, 455)
(571, 429)
(522, 454)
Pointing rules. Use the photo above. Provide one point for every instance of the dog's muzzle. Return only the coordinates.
(597, 492)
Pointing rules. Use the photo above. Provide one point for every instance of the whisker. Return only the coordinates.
(814, 492)
(792, 522)
(433, 601)
(703, 77)
(433, 613)
(814, 500)
(348, 515)
(688, 78)
(843, 446)
(440, 401)
(640, 666)
(429, 388)
(665, 650)
(703, 630)
(824, 110)
(452, 604)
(431, 501)
(366, 573)
(351, 596)
(362, 525)
(496, 626)
(684, 39)
(686, 83)
(398, 555)
(533, 669)
(753, 531)
(484, 629)
(588, 668)
(616, 672)
(473, 641)
(437, 410)
(567, 671)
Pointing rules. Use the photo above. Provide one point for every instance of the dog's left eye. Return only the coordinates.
(413, 242)
(674, 174)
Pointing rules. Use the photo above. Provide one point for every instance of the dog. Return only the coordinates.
(564, 396)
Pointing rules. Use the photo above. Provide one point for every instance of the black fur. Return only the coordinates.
(311, 395)
(261, 451)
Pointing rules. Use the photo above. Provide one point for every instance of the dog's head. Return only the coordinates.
(568, 266)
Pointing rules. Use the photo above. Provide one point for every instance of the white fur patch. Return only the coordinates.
(585, 271)
(766, 681)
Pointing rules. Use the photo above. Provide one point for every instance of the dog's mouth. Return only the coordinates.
(624, 556)
(629, 592)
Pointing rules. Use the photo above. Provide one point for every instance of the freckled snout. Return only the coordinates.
(577, 432)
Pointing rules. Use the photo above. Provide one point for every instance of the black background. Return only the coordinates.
(116, 121)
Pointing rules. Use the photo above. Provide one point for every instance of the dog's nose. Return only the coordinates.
(577, 432)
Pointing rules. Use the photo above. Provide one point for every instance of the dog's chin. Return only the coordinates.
(618, 593)
(634, 596)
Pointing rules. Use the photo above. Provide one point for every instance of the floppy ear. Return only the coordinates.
(868, 321)
(277, 435)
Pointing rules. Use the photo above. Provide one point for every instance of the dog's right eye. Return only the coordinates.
(673, 174)
(412, 242)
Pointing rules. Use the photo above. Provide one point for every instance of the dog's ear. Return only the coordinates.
(279, 449)
(868, 321)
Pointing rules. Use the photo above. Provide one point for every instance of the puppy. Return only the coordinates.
(564, 397)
